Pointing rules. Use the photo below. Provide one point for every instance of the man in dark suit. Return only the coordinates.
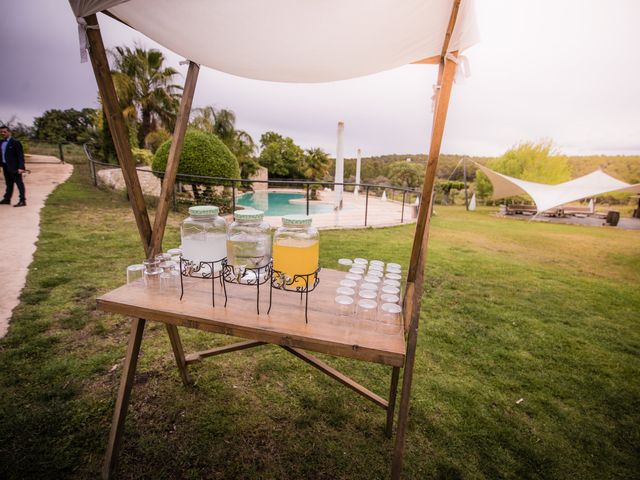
(12, 158)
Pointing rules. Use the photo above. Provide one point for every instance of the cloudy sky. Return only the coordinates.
(567, 71)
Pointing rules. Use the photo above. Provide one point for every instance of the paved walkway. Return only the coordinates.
(19, 228)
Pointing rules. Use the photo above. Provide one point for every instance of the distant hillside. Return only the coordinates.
(625, 168)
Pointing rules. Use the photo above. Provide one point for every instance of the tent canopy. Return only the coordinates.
(293, 40)
(550, 196)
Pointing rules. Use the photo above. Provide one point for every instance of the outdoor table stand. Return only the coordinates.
(152, 243)
(325, 332)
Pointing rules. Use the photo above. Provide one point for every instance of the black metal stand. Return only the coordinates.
(207, 270)
(309, 282)
(248, 276)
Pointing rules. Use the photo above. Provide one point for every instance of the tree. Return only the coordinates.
(536, 162)
(316, 167)
(70, 126)
(222, 123)
(148, 96)
(406, 174)
(281, 156)
(316, 163)
(446, 186)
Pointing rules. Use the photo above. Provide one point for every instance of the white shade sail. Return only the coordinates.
(550, 196)
(296, 40)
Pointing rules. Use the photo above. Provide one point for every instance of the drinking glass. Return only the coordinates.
(391, 290)
(375, 273)
(368, 294)
(393, 276)
(369, 286)
(353, 276)
(174, 252)
(152, 278)
(360, 262)
(345, 304)
(367, 309)
(135, 272)
(346, 291)
(345, 263)
(389, 298)
(372, 279)
(393, 266)
(357, 270)
(378, 263)
(348, 283)
(392, 283)
(377, 267)
(390, 318)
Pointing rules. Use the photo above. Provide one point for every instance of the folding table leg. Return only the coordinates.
(178, 352)
(393, 392)
(122, 401)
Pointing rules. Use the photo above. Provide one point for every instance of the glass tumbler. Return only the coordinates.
(390, 318)
(360, 262)
(393, 266)
(389, 298)
(375, 273)
(357, 270)
(372, 279)
(353, 277)
(348, 283)
(391, 290)
(368, 294)
(346, 291)
(345, 304)
(344, 264)
(135, 272)
(367, 309)
(391, 283)
(152, 278)
(393, 276)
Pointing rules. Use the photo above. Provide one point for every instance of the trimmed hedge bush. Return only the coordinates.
(202, 154)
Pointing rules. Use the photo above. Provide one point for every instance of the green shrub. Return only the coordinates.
(202, 154)
(154, 139)
(142, 156)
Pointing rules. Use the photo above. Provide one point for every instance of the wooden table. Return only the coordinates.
(325, 332)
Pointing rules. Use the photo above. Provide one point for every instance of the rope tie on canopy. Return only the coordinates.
(82, 37)
(464, 70)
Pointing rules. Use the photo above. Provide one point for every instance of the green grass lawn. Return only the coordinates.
(512, 310)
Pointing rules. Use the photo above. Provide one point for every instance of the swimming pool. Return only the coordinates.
(277, 204)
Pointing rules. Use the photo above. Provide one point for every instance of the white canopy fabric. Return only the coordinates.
(547, 197)
(304, 41)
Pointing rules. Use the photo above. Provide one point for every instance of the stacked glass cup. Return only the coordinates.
(159, 272)
(370, 292)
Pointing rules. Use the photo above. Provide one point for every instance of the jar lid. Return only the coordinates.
(203, 210)
(296, 220)
(248, 214)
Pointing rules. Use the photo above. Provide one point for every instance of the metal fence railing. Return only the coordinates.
(222, 191)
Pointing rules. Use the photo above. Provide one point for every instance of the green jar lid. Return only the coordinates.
(203, 210)
(296, 220)
(249, 214)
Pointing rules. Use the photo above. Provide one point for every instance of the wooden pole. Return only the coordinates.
(415, 276)
(122, 401)
(413, 295)
(118, 129)
(175, 151)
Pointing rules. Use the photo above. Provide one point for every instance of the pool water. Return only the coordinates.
(276, 204)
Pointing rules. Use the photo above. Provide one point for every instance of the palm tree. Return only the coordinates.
(222, 123)
(148, 97)
(316, 166)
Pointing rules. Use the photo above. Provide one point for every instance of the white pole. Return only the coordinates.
(358, 159)
(339, 176)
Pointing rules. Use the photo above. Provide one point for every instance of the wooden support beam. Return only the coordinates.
(198, 356)
(118, 130)
(122, 401)
(393, 392)
(336, 375)
(415, 276)
(178, 353)
(162, 210)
